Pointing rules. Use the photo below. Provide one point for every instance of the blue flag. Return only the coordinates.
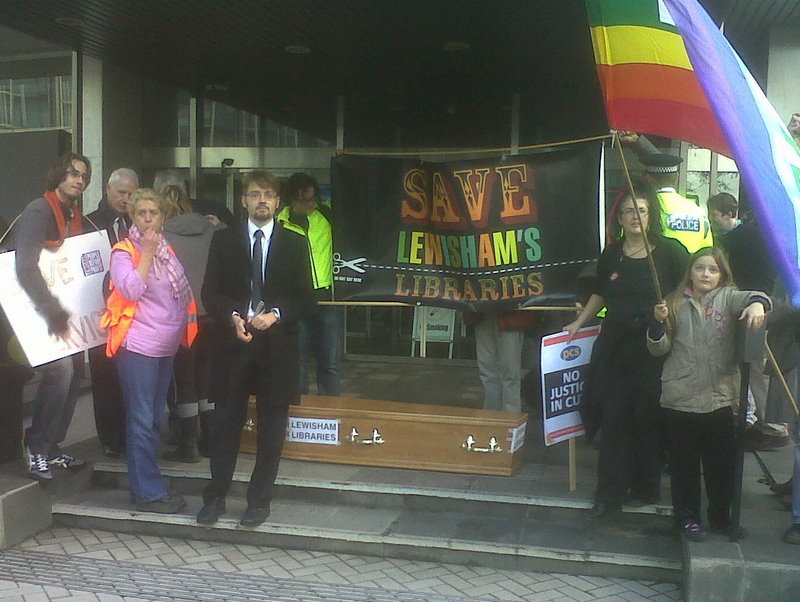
(767, 156)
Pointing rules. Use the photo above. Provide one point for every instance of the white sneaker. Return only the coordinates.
(39, 468)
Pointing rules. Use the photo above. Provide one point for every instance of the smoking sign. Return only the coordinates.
(564, 366)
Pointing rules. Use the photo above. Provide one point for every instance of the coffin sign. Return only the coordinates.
(74, 273)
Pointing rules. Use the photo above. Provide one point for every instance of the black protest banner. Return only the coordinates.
(501, 232)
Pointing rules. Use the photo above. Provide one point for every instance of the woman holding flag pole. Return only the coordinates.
(624, 380)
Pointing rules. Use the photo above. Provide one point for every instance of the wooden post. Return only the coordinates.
(573, 477)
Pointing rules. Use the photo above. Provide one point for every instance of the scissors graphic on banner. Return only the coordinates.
(339, 263)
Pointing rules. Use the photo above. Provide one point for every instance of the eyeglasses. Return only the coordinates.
(255, 195)
(631, 211)
(76, 174)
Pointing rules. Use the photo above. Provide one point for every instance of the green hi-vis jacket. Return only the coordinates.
(685, 221)
(320, 243)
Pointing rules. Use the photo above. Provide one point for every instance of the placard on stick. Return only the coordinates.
(563, 367)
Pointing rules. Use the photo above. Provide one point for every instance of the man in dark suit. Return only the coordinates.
(256, 286)
(109, 411)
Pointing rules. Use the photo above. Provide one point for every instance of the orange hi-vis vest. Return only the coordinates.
(119, 311)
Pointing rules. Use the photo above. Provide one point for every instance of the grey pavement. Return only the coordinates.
(66, 563)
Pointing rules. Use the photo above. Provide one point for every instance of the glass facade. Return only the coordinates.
(166, 124)
(36, 103)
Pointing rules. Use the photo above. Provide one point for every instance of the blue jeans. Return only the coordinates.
(53, 405)
(321, 338)
(145, 381)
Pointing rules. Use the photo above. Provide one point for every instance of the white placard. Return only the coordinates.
(313, 430)
(74, 273)
(563, 368)
(517, 437)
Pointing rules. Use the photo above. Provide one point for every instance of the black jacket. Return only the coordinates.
(287, 286)
(103, 217)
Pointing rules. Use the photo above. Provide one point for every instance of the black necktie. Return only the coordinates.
(258, 273)
(122, 230)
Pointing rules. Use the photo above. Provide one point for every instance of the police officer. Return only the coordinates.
(684, 220)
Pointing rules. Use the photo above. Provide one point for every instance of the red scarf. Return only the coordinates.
(58, 212)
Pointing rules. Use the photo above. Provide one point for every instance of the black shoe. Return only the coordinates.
(254, 516)
(187, 454)
(792, 535)
(211, 511)
(636, 501)
(67, 462)
(732, 532)
(169, 504)
(112, 452)
(601, 510)
(782, 488)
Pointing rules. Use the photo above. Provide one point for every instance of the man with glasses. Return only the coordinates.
(257, 285)
(45, 223)
(109, 411)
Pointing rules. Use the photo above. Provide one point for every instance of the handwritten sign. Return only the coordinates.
(74, 274)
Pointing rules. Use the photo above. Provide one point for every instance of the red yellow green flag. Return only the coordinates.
(646, 76)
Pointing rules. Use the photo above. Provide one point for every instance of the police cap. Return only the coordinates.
(661, 163)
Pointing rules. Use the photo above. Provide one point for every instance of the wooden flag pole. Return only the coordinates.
(650, 261)
(573, 477)
(786, 388)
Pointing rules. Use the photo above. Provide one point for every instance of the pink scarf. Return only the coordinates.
(165, 259)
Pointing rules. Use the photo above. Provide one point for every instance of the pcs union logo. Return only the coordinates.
(570, 353)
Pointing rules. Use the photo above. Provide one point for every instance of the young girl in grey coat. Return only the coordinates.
(700, 383)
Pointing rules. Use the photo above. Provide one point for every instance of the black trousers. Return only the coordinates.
(627, 385)
(109, 410)
(193, 369)
(248, 367)
(707, 440)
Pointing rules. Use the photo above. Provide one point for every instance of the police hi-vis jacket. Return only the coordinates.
(685, 221)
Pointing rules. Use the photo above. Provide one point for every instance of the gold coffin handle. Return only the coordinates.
(469, 445)
(376, 439)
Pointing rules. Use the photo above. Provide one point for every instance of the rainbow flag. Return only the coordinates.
(767, 156)
(648, 82)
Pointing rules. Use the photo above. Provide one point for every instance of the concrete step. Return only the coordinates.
(502, 530)
(191, 479)
(25, 505)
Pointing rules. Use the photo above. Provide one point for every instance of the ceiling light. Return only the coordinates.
(456, 46)
(297, 49)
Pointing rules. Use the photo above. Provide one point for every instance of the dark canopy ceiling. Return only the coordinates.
(387, 57)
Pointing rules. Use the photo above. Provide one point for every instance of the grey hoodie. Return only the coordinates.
(190, 235)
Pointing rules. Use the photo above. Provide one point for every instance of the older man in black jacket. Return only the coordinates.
(109, 411)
